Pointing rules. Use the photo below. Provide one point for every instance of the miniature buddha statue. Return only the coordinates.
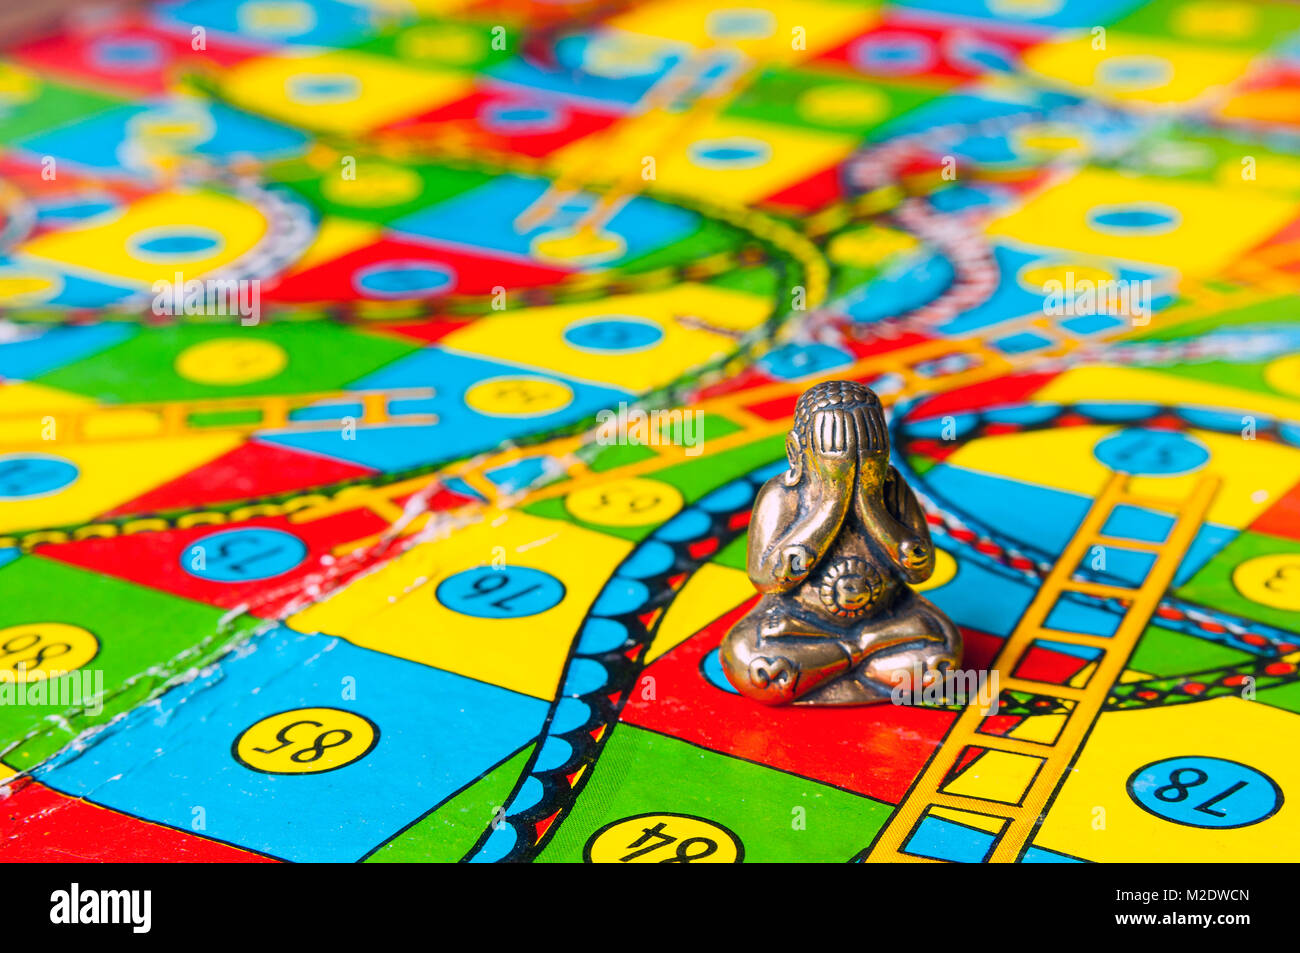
(833, 544)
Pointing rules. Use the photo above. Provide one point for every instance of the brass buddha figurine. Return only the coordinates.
(833, 543)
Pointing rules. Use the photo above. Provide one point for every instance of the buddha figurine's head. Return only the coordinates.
(862, 421)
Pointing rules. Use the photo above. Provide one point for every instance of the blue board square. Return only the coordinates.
(437, 733)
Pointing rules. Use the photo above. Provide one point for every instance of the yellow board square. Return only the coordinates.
(1139, 69)
(397, 610)
(109, 474)
(120, 245)
(789, 156)
(1139, 384)
(996, 776)
(780, 31)
(340, 91)
(1122, 742)
(26, 398)
(335, 238)
(536, 336)
(1271, 104)
(1188, 229)
(1063, 459)
(722, 159)
(713, 591)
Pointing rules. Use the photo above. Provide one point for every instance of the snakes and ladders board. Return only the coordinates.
(385, 387)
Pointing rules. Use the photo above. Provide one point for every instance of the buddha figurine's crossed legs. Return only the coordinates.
(776, 658)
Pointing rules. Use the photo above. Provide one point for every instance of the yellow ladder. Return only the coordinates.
(1021, 819)
(152, 421)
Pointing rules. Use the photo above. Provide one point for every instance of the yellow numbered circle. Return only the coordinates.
(276, 17)
(165, 129)
(231, 361)
(519, 396)
(445, 43)
(632, 502)
(375, 186)
(306, 741)
(619, 56)
(664, 839)
(843, 105)
(1215, 20)
(1017, 9)
(1270, 580)
(869, 246)
(945, 567)
(1036, 275)
(581, 246)
(38, 650)
(1051, 139)
(16, 85)
(20, 288)
(1284, 374)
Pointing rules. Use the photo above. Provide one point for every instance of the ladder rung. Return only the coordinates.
(1067, 692)
(1101, 589)
(1151, 503)
(1120, 543)
(975, 805)
(1075, 638)
(1036, 749)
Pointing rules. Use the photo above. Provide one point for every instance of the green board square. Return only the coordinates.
(1257, 25)
(380, 191)
(777, 817)
(51, 105)
(1214, 586)
(449, 831)
(445, 44)
(318, 357)
(827, 100)
(145, 637)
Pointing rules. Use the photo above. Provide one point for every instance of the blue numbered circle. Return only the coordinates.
(613, 334)
(1135, 72)
(522, 119)
(1205, 792)
(1134, 218)
(977, 54)
(1141, 451)
(76, 208)
(25, 476)
(128, 54)
(403, 279)
(894, 54)
(738, 152)
(740, 24)
(175, 245)
(506, 592)
(319, 89)
(794, 361)
(711, 669)
(243, 555)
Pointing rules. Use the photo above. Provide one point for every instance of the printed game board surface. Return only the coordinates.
(312, 548)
